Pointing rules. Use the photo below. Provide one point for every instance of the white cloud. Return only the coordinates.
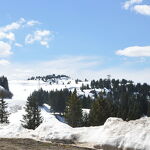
(5, 49)
(33, 22)
(134, 6)
(42, 36)
(4, 62)
(9, 36)
(18, 45)
(135, 51)
(142, 9)
(13, 26)
(130, 3)
(19, 24)
(6, 31)
(44, 43)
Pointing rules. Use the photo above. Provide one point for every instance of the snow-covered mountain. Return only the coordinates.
(114, 133)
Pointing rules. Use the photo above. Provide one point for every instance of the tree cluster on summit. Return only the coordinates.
(52, 77)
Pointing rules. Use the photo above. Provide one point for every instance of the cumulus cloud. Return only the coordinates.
(42, 36)
(6, 31)
(134, 6)
(13, 26)
(9, 36)
(130, 3)
(19, 24)
(5, 49)
(135, 51)
(142, 9)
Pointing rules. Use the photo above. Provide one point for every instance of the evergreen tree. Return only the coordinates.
(134, 109)
(40, 96)
(148, 110)
(57, 100)
(73, 113)
(4, 82)
(32, 119)
(86, 101)
(3, 109)
(123, 105)
(101, 110)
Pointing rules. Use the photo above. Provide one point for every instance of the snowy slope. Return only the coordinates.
(23, 88)
(115, 132)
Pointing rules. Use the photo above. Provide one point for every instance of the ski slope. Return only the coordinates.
(115, 132)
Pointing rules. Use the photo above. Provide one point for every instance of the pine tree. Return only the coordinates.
(32, 119)
(3, 106)
(101, 110)
(73, 113)
(4, 82)
(148, 110)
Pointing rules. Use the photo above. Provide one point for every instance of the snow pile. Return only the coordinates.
(115, 132)
(121, 134)
(51, 129)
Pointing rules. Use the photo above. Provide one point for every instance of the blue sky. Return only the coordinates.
(88, 38)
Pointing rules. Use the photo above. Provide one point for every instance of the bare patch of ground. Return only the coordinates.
(29, 144)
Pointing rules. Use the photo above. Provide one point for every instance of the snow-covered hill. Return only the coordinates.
(114, 133)
(21, 89)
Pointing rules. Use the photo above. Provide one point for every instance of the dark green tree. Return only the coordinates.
(57, 100)
(40, 96)
(73, 113)
(4, 82)
(3, 108)
(101, 110)
(135, 110)
(32, 119)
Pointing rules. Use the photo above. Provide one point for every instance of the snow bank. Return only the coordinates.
(115, 132)
(120, 134)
